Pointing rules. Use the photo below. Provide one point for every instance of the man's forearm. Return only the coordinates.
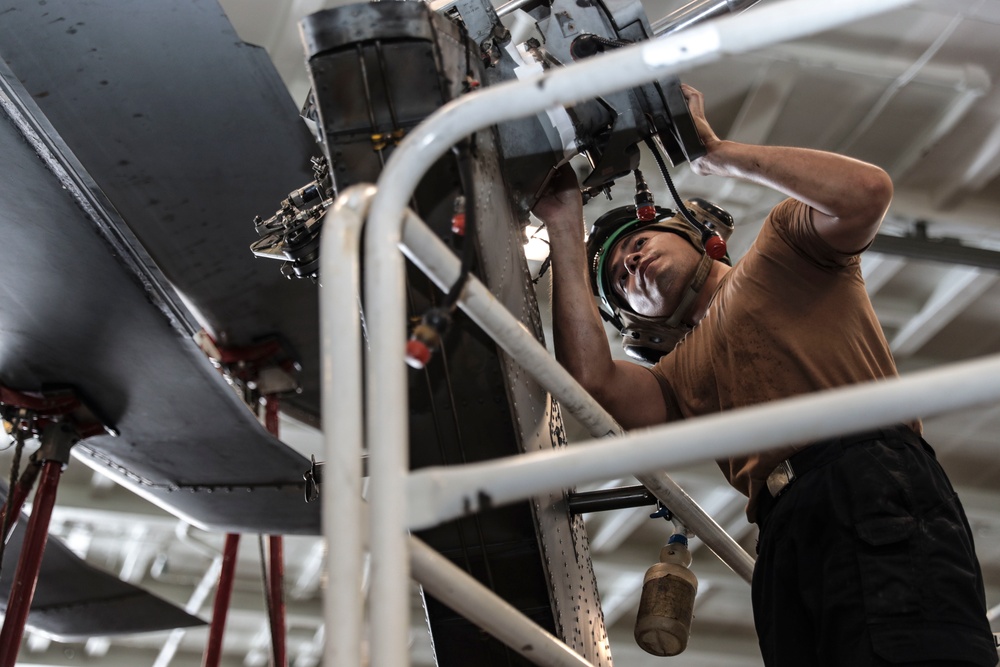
(833, 184)
(580, 341)
(848, 197)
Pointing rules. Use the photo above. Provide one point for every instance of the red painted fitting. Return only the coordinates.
(715, 247)
(417, 353)
(271, 406)
(458, 224)
(56, 403)
(646, 213)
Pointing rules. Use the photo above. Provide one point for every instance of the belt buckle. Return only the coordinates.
(780, 478)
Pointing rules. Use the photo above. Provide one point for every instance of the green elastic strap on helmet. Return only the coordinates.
(602, 255)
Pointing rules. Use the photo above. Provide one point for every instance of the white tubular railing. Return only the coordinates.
(385, 290)
(437, 494)
(431, 255)
(343, 508)
(471, 599)
(342, 410)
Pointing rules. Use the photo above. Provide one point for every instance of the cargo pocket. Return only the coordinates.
(887, 565)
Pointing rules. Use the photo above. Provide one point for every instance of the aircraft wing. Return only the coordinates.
(183, 144)
(75, 600)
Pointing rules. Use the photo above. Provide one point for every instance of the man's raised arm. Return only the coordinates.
(849, 198)
(628, 391)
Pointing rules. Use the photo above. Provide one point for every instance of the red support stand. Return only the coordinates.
(276, 560)
(60, 419)
(263, 369)
(26, 576)
(275, 584)
(213, 651)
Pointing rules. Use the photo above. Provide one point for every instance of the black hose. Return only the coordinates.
(655, 150)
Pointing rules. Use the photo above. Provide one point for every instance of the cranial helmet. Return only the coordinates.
(649, 338)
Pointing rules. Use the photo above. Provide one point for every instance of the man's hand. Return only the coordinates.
(696, 105)
(561, 205)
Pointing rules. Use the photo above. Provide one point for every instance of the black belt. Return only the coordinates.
(819, 454)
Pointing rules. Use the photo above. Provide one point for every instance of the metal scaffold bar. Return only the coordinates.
(385, 287)
(460, 591)
(437, 494)
(342, 381)
(434, 258)
(342, 413)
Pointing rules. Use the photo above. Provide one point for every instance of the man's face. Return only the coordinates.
(650, 269)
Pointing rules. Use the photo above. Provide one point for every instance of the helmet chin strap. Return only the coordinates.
(649, 338)
(691, 293)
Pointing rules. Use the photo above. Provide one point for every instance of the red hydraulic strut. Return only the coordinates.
(262, 369)
(213, 651)
(61, 420)
(276, 561)
(29, 564)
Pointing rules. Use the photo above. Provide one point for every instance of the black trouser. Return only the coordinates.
(867, 559)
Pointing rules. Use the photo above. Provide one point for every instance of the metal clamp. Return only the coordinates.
(780, 478)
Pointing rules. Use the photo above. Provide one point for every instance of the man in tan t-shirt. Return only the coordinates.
(865, 556)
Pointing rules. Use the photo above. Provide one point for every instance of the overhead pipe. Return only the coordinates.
(697, 11)
(385, 286)
(605, 500)
(949, 251)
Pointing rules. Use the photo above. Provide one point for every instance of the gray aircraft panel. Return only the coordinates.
(80, 306)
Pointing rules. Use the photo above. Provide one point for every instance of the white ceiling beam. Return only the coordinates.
(311, 652)
(948, 118)
(617, 527)
(878, 269)
(965, 77)
(981, 167)
(311, 573)
(894, 313)
(36, 643)
(900, 82)
(760, 110)
(97, 647)
(953, 294)
(621, 596)
(198, 596)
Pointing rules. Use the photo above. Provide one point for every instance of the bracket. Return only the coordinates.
(264, 368)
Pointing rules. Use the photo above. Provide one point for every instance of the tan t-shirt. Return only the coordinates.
(791, 317)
